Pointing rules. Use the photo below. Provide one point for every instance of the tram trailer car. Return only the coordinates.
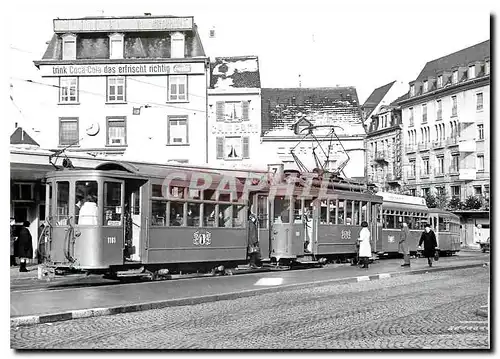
(447, 228)
(126, 222)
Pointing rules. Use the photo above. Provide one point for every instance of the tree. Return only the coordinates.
(455, 203)
(431, 200)
(473, 202)
(442, 200)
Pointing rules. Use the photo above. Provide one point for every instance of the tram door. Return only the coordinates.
(261, 208)
(133, 225)
(375, 220)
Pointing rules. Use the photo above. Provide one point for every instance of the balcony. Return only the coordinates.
(410, 148)
(380, 156)
(467, 146)
(423, 146)
(439, 115)
(438, 144)
(467, 174)
(452, 141)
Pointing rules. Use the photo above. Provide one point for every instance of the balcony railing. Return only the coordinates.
(438, 144)
(439, 115)
(392, 177)
(410, 148)
(452, 141)
(380, 156)
(423, 146)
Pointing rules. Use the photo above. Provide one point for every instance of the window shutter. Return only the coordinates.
(246, 147)
(244, 110)
(220, 148)
(220, 110)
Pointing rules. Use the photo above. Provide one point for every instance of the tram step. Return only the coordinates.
(131, 272)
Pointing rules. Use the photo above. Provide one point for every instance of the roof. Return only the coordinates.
(20, 137)
(376, 96)
(463, 57)
(400, 98)
(235, 72)
(137, 45)
(282, 107)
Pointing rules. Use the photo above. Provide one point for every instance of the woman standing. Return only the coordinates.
(24, 246)
(430, 243)
(365, 249)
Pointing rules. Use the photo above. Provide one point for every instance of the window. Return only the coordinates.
(455, 191)
(412, 90)
(177, 45)
(426, 86)
(425, 163)
(479, 101)
(439, 109)
(440, 190)
(116, 131)
(86, 202)
(158, 213)
(487, 67)
(62, 214)
(425, 192)
(232, 111)
(480, 162)
(455, 163)
(177, 130)
(454, 78)
(68, 89)
(440, 81)
(68, 131)
(116, 89)
(412, 168)
(232, 148)
(440, 165)
(116, 46)
(177, 88)
(480, 132)
(424, 112)
(411, 116)
(478, 191)
(472, 72)
(454, 105)
(112, 208)
(69, 47)
(413, 192)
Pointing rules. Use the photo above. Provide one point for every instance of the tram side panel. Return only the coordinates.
(191, 245)
(336, 239)
(287, 240)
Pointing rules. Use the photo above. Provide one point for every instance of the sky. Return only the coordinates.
(350, 43)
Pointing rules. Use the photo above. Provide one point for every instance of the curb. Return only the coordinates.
(96, 312)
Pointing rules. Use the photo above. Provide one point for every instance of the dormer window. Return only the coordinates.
(472, 72)
(177, 45)
(412, 90)
(69, 47)
(487, 67)
(454, 78)
(116, 46)
(426, 86)
(440, 81)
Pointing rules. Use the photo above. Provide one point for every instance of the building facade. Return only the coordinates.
(446, 130)
(283, 109)
(234, 112)
(133, 86)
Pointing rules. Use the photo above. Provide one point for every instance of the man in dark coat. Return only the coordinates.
(430, 243)
(404, 245)
(24, 246)
(253, 241)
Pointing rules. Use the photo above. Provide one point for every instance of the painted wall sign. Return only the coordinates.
(124, 24)
(120, 69)
(202, 238)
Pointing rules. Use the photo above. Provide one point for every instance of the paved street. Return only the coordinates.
(433, 310)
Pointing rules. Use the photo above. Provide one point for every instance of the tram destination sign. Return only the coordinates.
(150, 23)
(138, 69)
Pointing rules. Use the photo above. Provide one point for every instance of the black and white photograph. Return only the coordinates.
(250, 175)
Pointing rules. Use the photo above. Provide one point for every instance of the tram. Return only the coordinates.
(414, 211)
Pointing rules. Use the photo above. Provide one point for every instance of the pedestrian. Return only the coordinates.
(428, 238)
(12, 244)
(365, 250)
(253, 241)
(404, 246)
(24, 246)
(89, 212)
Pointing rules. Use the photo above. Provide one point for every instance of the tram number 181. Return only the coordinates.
(111, 240)
(202, 239)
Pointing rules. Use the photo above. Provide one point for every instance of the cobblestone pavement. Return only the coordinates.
(429, 311)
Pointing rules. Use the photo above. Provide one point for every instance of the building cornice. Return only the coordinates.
(319, 138)
(448, 90)
(384, 131)
(201, 59)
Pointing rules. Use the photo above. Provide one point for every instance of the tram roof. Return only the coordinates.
(443, 212)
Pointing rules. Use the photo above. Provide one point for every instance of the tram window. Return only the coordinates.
(225, 217)
(239, 213)
(348, 213)
(225, 197)
(156, 190)
(209, 215)
(410, 221)
(262, 214)
(49, 202)
(176, 214)
(356, 214)
(364, 212)
(209, 195)
(193, 214)
(297, 210)
(442, 225)
(158, 213)
(390, 221)
(331, 209)
(176, 192)
(136, 203)
(62, 203)
(194, 193)
(112, 204)
(86, 202)
(281, 209)
(323, 209)
(341, 215)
